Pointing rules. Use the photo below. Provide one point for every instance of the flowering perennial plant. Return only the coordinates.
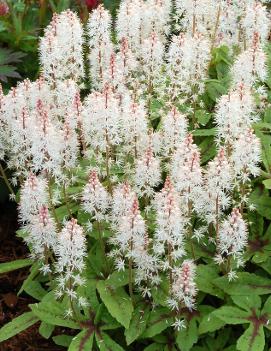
(136, 153)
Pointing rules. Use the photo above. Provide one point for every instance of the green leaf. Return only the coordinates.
(247, 302)
(231, 315)
(52, 312)
(46, 330)
(154, 347)
(138, 323)
(159, 320)
(118, 279)
(105, 343)
(205, 132)
(267, 306)
(208, 149)
(215, 89)
(35, 290)
(266, 148)
(267, 183)
(206, 274)
(262, 201)
(188, 336)
(88, 291)
(245, 284)
(210, 323)
(203, 117)
(33, 272)
(13, 265)
(62, 340)
(252, 340)
(82, 341)
(17, 325)
(117, 302)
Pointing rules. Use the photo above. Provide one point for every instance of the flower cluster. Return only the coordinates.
(105, 156)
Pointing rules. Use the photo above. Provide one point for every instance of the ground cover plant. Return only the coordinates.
(141, 156)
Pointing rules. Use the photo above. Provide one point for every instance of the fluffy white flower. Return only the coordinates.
(95, 198)
(70, 251)
(170, 223)
(184, 288)
(61, 48)
(101, 48)
(101, 118)
(233, 234)
(174, 130)
(185, 168)
(246, 155)
(34, 195)
(147, 173)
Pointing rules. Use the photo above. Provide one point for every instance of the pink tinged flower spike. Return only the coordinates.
(255, 21)
(134, 128)
(129, 22)
(229, 27)
(184, 289)
(234, 114)
(126, 58)
(61, 48)
(156, 17)
(170, 224)
(188, 60)
(197, 15)
(123, 196)
(131, 231)
(46, 142)
(246, 156)
(152, 51)
(174, 130)
(233, 235)
(147, 173)
(78, 109)
(250, 66)
(95, 199)
(34, 195)
(101, 47)
(42, 234)
(114, 74)
(215, 195)
(186, 171)
(70, 144)
(70, 250)
(101, 117)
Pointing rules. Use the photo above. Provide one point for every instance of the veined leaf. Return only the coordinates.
(159, 320)
(13, 265)
(117, 302)
(247, 302)
(138, 323)
(231, 315)
(62, 340)
(105, 343)
(82, 341)
(46, 330)
(245, 284)
(252, 340)
(17, 325)
(52, 312)
(188, 336)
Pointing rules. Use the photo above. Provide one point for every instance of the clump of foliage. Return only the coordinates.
(142, 155)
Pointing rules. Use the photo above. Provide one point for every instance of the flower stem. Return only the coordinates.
(5, 178)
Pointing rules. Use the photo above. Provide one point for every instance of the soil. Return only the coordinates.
(11, 305)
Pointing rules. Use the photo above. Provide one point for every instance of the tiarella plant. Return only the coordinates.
(137, 154)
